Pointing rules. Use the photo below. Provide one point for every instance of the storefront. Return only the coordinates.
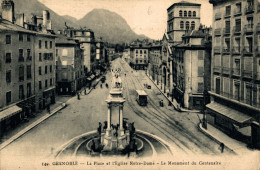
(9, 118)
(48, 97)
(231, 121)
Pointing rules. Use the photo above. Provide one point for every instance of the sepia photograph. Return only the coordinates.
(129, 84)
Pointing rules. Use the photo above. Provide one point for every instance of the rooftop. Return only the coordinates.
(61, 39)
(183, 3)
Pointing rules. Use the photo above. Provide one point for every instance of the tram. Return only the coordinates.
(141, 97)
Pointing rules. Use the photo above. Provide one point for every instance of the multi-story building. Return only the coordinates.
(235, 79)
(155, 59)
(191, 69)
(87, 42)
(69, 66)
(19, 95)
(139, 55)
(182, 16)
(100, 56)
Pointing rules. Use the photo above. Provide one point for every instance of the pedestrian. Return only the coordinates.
(85, 91)
(221, 147)
(49, 109)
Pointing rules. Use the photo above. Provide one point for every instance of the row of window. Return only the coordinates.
(46, 70)
(8, 38)
(45, 84)
(141, 51)
(188, 25)
(187, 14)
(21, 93)
(251, 95)
(46, 44)
(21, 73)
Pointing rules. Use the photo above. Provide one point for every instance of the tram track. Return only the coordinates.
(164, 118)
(153, 122)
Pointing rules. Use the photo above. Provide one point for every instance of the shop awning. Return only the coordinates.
(9, 112)
(51, 88)
(233, 114)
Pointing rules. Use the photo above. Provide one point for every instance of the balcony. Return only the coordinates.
(217, 69)
(237, 12)
(226, 31)
(225, 70)
(237, 29)
(29, 58)
(248, 50)
(236, 71)
(258, 50)
(21, 59)
(249, 9)
(218, 16)
(258, 28)
(248, 74)
(217, 49)
(236, 50)
(257, 75)
(249, 28)
(235, 98)
(217, 32)
(226, 50)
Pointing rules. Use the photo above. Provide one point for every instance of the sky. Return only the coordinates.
(148, 17)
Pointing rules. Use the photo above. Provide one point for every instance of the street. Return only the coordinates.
(180, 129)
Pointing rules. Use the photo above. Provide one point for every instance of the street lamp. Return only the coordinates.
(204, 121)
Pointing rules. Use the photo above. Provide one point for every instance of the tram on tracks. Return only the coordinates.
(141, 97)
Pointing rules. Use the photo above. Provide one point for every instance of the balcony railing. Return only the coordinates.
(257, 75)
(226, 30)
(21, 59)
(217, 31)
(217, 16)
(217, 69)
(258, 28)
(248, 49)
(249, 28)
(252, 102)
(226, 50)
(237, 11)
(248, 74)
(236, 50)
(237, 29)
(225, 70)
(236, 71)
(216, 49)
(258, 50)
(249, 8)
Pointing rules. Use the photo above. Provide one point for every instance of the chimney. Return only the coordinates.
(20, 20)
(8, 10)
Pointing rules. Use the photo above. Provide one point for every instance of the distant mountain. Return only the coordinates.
(106, 24)
(109, 25)
(33, 6)
(70, 18)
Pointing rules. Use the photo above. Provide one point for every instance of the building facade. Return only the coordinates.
(20, 94)
(235, 80)
(69, 66)
(155, 59)
(182, 16)
(139, 56)
(191, 69)
(86, 38)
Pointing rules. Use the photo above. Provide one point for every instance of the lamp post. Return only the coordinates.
(204, 121)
